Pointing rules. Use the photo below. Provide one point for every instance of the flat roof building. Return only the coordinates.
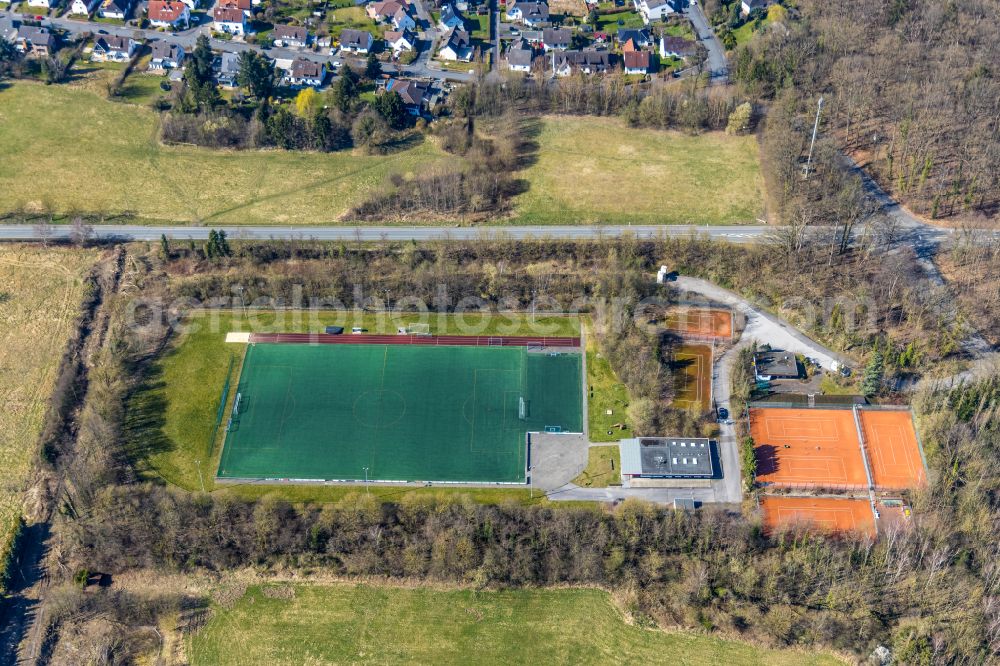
(780, 364)
(666, 458)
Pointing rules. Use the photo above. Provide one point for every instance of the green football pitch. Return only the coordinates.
(403, 413)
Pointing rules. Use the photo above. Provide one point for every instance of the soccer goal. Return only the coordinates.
(522, 408)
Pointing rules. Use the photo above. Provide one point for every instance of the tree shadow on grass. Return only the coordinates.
(145, 419)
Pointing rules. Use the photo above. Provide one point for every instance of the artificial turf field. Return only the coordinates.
(406, 413)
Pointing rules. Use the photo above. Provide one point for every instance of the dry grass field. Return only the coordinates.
(597, 170)
(90, 155)
(40, 295)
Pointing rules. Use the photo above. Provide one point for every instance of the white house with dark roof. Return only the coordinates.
(305, 73)
(166, 56)
(83, 7)
(458, 47)
(115, 9)
(400, 40)
(290, 36)
(530, 13)
(556, 39)
(520, 55)
(677, 47)
(654, 10)
(112, 48)
(226, 68)
(356, 41)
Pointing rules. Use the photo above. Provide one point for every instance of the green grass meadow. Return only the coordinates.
(172, 417)
(597, 170)
(605, 392)
(603, 468)
(87, 154)
(353, 624)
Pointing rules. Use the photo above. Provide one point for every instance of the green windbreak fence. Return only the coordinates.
(395, 413)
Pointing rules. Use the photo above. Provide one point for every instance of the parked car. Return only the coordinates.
(723, 413)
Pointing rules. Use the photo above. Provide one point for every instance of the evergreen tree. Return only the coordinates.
(256, 74)
(391, 107)
(164, 247)
(345, 90)
(872, 381)
(373, 68)
(199, 77)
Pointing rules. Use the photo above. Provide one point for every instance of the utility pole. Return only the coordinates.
(200, 478)
(366, 481)
(812, 144)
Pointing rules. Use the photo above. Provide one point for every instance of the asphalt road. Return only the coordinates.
(717, 65)
(15, 232)
(923, 234)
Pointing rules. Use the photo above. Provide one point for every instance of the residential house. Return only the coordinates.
(244, 6)
(402, 20)
(290, 36)
(416, 95)
(35, 41)
(532, 14)
(654, 10)
(400, 41)
(306, 73)
(457, 47)
(356, 41)
(677, 47)
(639, 36)
(166, 56)
(748, 6)
(227, 68)
(230, 20)
(383, 11)
(83, 7)
(115, 9)
(638, 62)
(588, 62)
(8, 30)
(450, 19)
(556, 39)
(393, 12)
(520, 55)
(170, 14)
(112, 48)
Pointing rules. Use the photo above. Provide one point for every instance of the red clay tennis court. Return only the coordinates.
(826, 514)
(702, 322)
(807, 448)
(893, 451)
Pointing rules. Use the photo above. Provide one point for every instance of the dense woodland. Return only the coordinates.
(910, 88)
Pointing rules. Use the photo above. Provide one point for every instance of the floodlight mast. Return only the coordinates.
(812, 144)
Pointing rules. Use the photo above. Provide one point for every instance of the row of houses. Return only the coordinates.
(636, 57)
(297, 73)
